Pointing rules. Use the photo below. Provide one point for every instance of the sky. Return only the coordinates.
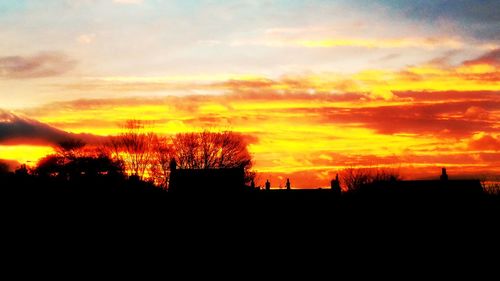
(318, 85)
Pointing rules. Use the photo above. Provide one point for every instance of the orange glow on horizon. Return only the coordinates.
(25, 154)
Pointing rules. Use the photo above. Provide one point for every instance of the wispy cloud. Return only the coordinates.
(478, 74)
(491, 58)
(383, 43)
(46, 64)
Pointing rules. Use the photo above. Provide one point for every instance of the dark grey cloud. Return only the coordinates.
(480, 18)
(17, 130)
(45, 64)
(485, 11)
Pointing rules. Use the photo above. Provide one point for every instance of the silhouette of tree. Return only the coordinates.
(147, 156)
(50, 166)
(22, 171)
(75, 168)
(354, 178)
(385, 175)
(161, 155)
(212, 150)
(73, 160)
(133, 147)
(186, 150)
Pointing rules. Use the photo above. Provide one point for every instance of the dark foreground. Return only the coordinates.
(139, 198)
(131, 222)
(135, 217)
(114, 199)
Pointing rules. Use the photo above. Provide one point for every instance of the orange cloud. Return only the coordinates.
(485, 142)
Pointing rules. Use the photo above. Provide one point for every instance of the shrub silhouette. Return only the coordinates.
(72, 162)
(353, 179)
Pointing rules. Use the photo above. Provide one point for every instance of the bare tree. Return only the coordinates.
(161, 155)
(148, 156)
(354, 178)
(133, 148)
(212, 150)
(232, 151)
(186, 147)
(385, 175)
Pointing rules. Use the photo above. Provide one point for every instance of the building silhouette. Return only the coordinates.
(228, 180)
(429, 188)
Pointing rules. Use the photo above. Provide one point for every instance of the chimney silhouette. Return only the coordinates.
(444, 176)
(335, 184)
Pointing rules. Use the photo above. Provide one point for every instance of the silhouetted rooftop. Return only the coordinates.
(450, 187)
(207, 180)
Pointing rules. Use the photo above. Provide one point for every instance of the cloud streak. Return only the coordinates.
(490, 58)
(42, 65)
(476, 74)
(383, 43)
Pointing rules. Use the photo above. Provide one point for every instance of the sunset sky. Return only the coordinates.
(316, 85)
